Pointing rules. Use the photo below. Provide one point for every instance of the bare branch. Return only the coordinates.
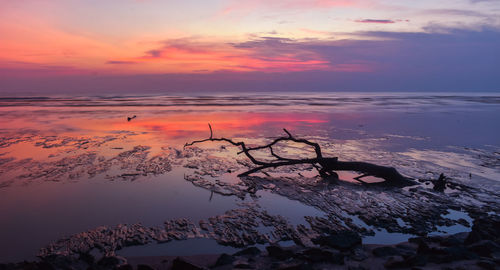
(326, 166)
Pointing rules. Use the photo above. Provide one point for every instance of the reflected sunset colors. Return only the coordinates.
(71, 166)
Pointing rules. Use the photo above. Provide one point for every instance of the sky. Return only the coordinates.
(135, 46)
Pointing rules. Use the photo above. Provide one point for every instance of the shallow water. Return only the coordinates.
(68, 164)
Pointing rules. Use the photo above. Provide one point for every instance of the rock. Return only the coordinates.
(317, 255)
(248, 251)
(357, 267)
(451, 254)
(484, 248)
(486, 264)
(344, 240)
(454, 240)
(423, 247)
(359, 254)
(224, 259)
(42, 266)
(385, 251)
(144, 267)
(406, 247)
(125, 267)
(29, 266)
(111, 261)
(292, 266)
(416, 260)
(473, 237)
(242, 264)
(484, 228)
(59, 261)
(25, 265)
(87, 257)
(278, 252)
(396, 262)
(181, 264)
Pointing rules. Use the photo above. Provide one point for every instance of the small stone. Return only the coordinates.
(50, 262)
(248, 251)
(242, 264)
(423, 248)
(486, 264)
(344, 240)
(451, 241)
(111, 261)
(224, 259)
(317, 255)
(484, 248)
(416, 260)
(278, 252)
(356, 267)
(406, 247)
(181, 264)
(292, 266)
(473, 237)
(396, 262)
(460, 253)
(144, 267)
(358, 254)
(385, 251)
(87, 257)
(126, 267)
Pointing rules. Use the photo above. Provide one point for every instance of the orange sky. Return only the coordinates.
(40, 38)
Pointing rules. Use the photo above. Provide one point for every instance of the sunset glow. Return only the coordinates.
(329, 40)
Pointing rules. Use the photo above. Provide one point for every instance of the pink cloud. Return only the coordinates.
(375, 21)
(111, 62)
(381, 21)
(264, 54)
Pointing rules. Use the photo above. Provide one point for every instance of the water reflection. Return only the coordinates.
(66, 164)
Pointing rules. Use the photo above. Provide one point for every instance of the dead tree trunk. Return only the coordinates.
(326, 166)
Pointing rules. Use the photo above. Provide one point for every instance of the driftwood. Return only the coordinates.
(326, 166)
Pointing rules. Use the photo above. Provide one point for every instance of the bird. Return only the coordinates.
(130, 118)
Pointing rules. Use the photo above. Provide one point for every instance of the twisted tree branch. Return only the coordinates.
(326, 166)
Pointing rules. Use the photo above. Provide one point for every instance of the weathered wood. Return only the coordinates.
(326, 166)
